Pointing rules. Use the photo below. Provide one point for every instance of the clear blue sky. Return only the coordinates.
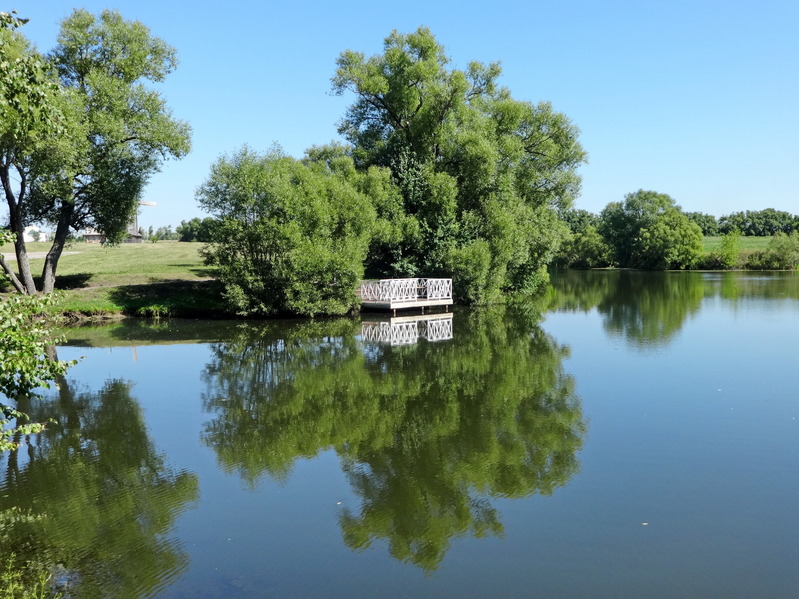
(698, 99)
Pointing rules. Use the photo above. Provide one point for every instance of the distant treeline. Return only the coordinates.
(752, 223)
(648, 230)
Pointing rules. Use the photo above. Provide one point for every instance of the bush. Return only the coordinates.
(782, 254)
(672, 242)
(291, 236)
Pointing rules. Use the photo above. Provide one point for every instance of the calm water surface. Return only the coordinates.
(627, 435)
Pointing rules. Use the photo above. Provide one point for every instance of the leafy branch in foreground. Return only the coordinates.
(25, 358)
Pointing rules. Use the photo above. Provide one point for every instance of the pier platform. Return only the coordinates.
(403, 294)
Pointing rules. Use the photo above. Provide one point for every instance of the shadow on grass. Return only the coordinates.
(189, 299)
(64, 282)
(204, 272)
(76, 281)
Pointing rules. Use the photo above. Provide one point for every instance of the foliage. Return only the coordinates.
(759, 223)
(291, 237)
(621, 223)
(578, 219)
(98, 133)
(648, 230)
(706, 222)
(480, 174)
(585, 248)
(672, 242)
(25, 360)
(24, 581)
(782, 254)
(196, 230)
(426, 457)
(161, 233)
(730, 249)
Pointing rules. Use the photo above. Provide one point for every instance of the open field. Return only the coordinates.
(132, 278)
(748, 244)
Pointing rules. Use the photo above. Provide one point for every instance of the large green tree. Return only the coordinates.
(93, 132)
(481, 174)
(671, 242)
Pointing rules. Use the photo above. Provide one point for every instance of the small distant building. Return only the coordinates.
(33, 233)
(133, 233)
(93, 236)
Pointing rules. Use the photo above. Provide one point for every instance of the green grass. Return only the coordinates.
(748, 244)
(143, 279)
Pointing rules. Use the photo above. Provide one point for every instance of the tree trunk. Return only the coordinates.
(59, 241)
(11, 275)
(15, 218)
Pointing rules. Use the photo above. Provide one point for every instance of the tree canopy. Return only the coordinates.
(759, 223)
(91, 133)
(648, 230)
(196, 229)
(291, 236)
(480, 173)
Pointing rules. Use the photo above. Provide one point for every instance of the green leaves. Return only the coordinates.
(80, 130)
(25, 360)
(474, 166)
(24, 341)
(292, 236)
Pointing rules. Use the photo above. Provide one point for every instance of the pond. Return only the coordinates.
(624, 435)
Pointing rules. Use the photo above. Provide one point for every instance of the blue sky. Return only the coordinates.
(698, 99)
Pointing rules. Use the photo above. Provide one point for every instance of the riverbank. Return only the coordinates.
(143, 279)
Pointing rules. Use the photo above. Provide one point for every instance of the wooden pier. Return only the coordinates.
(402, 294)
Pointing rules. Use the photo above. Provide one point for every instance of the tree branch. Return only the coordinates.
(11, 275)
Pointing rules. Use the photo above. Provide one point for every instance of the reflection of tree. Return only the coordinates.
(97, 497)
(427, 433)
(645, 308)
(648, 309)
(736, 287)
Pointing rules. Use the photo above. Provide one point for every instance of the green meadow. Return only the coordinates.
(141, 279)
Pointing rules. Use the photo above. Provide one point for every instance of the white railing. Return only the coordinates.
(437, 329)
(406, 332)
(406, 290)
(438, 288)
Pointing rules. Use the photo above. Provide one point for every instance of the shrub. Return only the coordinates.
(291, 236)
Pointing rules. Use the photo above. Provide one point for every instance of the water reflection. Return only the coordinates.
(427, 434)
(94, 497)
(406, 330)
(647, 309)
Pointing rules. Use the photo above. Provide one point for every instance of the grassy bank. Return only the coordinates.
(141, 279)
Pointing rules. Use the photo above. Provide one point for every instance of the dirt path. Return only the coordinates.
(34, 255)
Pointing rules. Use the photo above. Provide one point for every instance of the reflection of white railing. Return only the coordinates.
(406, 290)
(406, 331)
